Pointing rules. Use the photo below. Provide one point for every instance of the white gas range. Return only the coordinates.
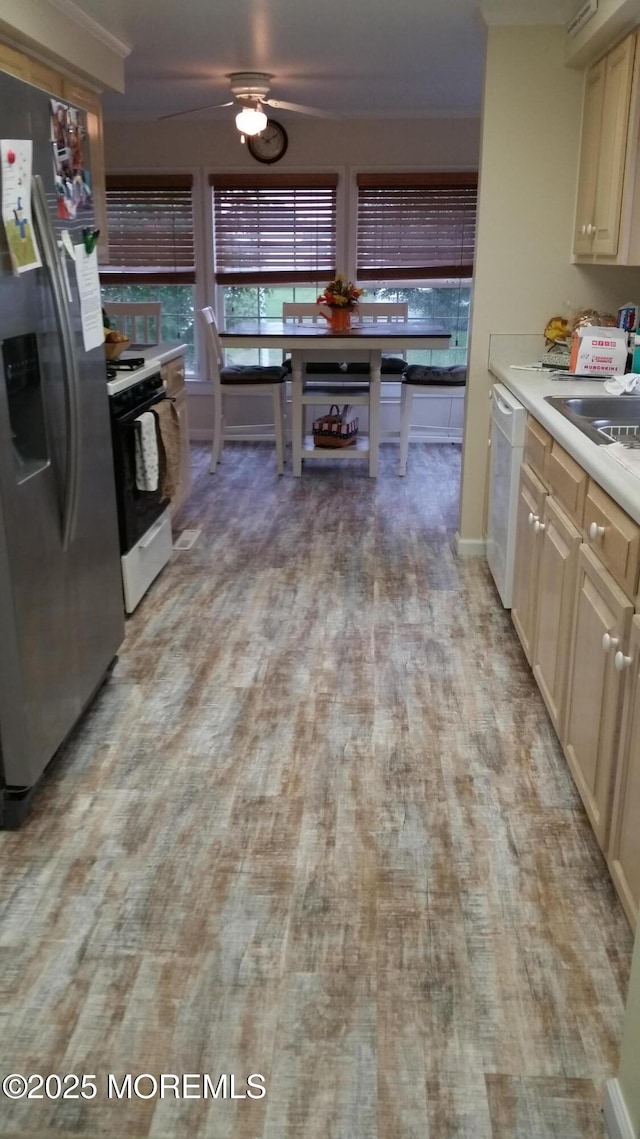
(135, 386)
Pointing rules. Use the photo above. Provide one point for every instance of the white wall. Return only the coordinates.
(523, 275)
(317, 144)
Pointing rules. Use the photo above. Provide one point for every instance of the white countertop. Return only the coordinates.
(155, 356)
(531, 388)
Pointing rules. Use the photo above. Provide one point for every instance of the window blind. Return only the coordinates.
(413, 226)
(274, 228)
(150, 219)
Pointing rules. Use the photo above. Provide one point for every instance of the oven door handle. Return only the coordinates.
(150, 537)
(129, 420)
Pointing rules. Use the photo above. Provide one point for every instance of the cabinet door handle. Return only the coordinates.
(590, 229)
(533, 518)
(583, 230)
(595, 531)
(621, 661)
(538, 526)
(609, 642)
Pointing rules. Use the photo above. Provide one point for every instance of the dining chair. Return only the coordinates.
(241, 380)
(382, 310)
(422, 378)
(140, 321)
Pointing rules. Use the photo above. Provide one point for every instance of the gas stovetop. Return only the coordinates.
(128, 364)
(128, 371)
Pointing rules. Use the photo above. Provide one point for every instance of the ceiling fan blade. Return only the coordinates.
(280, 105)
(193, 110)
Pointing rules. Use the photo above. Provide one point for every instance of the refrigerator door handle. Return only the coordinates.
(69, 362)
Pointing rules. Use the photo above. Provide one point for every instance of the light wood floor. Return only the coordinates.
(316, 826)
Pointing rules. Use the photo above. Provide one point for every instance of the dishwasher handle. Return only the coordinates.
(504, 407)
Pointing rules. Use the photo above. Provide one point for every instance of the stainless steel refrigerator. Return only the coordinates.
(61, 607)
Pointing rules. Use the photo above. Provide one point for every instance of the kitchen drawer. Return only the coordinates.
(537, 445)
(613, 536)
(567, 480)
(173, 375)
(144, 562)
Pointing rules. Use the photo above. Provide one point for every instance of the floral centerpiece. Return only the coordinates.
(341, 298)
(340, 293)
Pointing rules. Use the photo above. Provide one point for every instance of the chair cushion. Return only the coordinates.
(454, 376)
(391, 366)
(252, 374)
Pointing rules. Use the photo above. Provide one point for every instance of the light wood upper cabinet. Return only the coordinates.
(624, 847)
(603, 152)
(602, 615)
(613, 146)
(559, 546)
(531, 498)
(589, 148)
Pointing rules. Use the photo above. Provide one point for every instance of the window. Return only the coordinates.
(274, 241)
(416, 239)
(151, 249)
(272, 229)
(416, 226)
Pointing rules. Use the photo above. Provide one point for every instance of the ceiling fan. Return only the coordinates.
(250, 90)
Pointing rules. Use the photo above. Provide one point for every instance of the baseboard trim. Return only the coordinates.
(203, 435)
(616, 1116)
(470, 547)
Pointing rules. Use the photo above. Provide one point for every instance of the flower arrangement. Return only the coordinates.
(340, 293)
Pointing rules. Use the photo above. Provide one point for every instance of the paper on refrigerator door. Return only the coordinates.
(15, 160)
(90, 300)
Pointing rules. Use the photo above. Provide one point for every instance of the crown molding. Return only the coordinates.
(525, 13)
(72, 12)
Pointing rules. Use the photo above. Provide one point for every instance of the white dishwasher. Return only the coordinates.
(508, 418)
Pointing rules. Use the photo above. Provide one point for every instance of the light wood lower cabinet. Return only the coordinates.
(558, 566)
(577, 568)
(525, 575)
(602, 615)
(624, 846)
(184, 486)
(173, 376)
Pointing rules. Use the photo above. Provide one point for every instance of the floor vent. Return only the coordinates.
(187, 539)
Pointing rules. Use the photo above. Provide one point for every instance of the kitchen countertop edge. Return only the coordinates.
(155, 356)
(531, 388)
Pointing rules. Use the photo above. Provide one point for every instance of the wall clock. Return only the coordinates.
(270, 145)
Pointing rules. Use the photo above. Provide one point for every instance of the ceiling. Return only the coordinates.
(351, 58)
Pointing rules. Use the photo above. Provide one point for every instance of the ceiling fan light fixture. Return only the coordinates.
(251, 120)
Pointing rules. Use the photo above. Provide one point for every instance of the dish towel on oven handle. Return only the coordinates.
(146, 451)
(170, 446)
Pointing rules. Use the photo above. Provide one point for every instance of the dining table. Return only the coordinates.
(316, 343)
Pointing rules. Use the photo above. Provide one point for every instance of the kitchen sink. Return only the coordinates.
(602, 418)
